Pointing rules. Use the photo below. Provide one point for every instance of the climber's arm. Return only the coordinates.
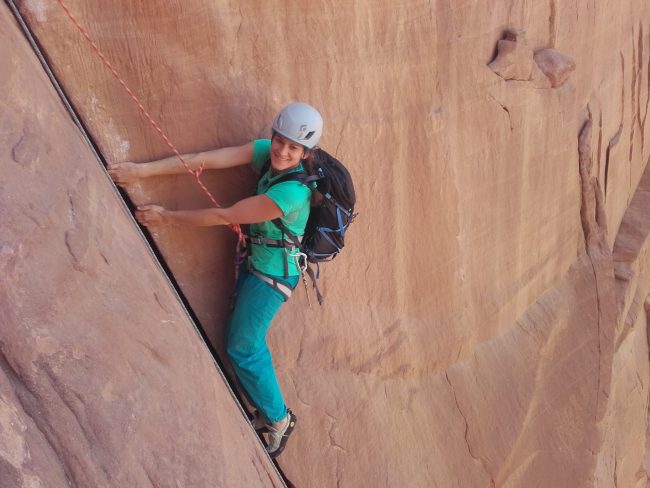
(254, 209)
(226, 157)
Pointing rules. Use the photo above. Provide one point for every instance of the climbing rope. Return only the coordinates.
(241, 243)
(197, 174)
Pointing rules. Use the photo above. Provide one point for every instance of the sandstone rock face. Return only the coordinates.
(486, 324)
(103, 380)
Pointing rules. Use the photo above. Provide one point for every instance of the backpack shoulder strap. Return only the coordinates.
(300, 176)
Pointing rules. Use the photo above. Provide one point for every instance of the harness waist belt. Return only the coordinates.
(284, 289)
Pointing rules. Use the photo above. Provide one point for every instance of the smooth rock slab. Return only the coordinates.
(103, 380)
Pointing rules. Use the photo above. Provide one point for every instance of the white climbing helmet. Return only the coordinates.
(300, 123)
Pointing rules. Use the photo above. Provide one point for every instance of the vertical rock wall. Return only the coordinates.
(103, 380)
(479, 330)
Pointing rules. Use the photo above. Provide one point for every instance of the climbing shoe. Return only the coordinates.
(259, 422)
(278, 437)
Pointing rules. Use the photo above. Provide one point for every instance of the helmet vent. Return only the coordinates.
(309, 134)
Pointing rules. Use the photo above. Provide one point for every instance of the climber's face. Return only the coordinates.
(285, 154)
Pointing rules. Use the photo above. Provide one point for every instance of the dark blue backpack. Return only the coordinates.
(331, 213)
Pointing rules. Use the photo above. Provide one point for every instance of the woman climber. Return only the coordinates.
(273, 269)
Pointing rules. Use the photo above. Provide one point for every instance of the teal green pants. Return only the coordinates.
(256, 305)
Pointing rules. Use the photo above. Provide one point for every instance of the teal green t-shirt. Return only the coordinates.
(294, 199)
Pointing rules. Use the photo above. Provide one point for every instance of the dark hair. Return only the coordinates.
(310, 164)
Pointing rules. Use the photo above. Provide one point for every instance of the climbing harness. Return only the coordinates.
(284, 289)
(243, 256)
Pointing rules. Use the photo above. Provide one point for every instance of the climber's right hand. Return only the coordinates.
(124, 173)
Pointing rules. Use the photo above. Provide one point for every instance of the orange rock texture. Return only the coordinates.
(487, 322)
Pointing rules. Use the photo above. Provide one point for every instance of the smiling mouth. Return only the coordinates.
(279, 158)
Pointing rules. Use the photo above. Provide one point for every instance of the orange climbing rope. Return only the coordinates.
(154, 124)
